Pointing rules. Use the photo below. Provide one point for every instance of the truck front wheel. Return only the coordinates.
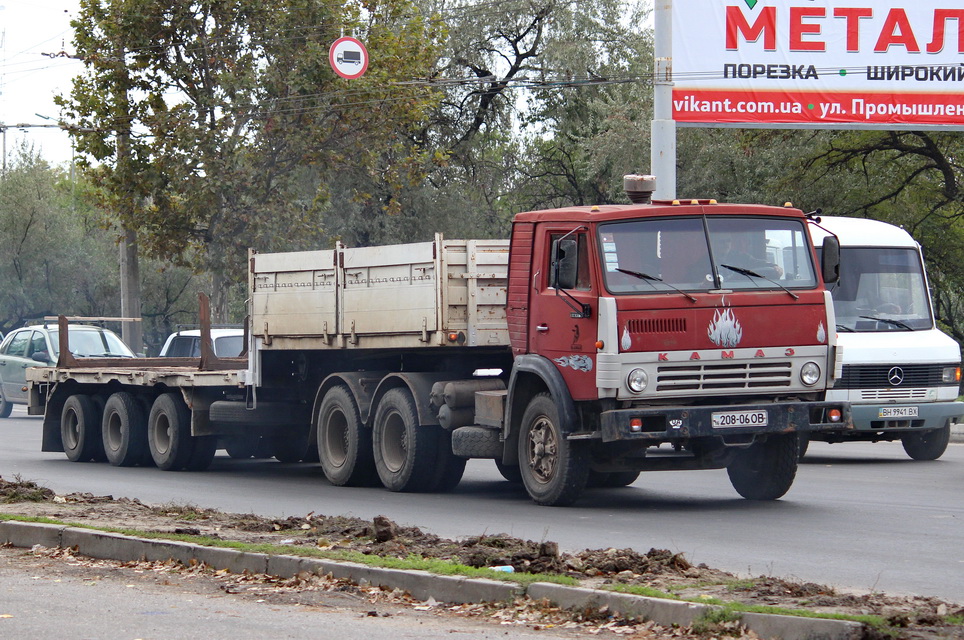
(927, 445)
(765, 470)
(80, 429)
(124, 431)
(554, 470)
(404, 452)
(344, 443)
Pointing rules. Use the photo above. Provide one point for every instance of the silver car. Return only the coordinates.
(38, 346)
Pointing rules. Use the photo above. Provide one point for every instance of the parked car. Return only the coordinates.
(39, 346)
(228, 343)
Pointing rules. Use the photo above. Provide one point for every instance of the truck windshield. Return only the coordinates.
(881, 289)
(666, 254)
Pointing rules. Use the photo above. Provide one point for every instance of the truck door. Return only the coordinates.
(562, 320)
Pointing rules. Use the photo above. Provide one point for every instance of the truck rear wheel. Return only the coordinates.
(344, 443)
(169, 433)
(927, 445)
(765, 470)
(404, 452)
(124, 431)
(80, 429)
(554, 470)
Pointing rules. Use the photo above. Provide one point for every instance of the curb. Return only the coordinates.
(420, 584)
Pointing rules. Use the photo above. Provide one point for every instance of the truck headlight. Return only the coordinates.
(637, 380)
(952, 374)
(810, 374)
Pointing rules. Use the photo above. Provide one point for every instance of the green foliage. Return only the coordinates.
(211, 126)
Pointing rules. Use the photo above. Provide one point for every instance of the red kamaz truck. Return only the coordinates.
(597, 343)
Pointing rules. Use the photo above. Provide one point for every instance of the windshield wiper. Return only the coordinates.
(754, 274)
(649, 278)
(845, 328)
(895, 323)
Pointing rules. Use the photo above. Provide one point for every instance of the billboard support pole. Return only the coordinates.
(663, 127)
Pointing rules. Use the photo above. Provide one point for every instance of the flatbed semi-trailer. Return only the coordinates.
(596, 343)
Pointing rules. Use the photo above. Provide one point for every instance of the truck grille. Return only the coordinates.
(736, 375)
(874, 376)
(872, 395)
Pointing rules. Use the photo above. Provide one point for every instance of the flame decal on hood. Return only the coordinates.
(725, 330)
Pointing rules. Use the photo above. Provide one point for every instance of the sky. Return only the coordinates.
(29, 79)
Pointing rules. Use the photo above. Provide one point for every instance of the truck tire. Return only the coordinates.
(5, 407)
(927, 445)
(802, 445)
(477, 442)
(449, 467)
(80, 429)
(405, 452)
(169, 432)
(554, 470)
(344, 443)
(124, 431)
(765, 470)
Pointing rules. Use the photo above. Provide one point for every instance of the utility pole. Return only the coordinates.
(663, 128)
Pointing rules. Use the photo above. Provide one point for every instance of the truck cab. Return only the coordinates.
(901, 373)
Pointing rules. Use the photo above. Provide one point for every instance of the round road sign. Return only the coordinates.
(348, 57)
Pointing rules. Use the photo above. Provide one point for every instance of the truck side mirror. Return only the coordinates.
(565, 264)
(830, 259)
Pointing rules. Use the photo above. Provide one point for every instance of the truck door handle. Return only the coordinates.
(542, 327)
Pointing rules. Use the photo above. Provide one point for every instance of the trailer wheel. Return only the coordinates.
(765, 470)
(554, 470)
(404, 452)
(124, 431)
(80, 429)
(169, 432)
(927, 445)
(5, 406)
(344, 443)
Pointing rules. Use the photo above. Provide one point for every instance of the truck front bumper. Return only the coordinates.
(930, 415)
(665, 423)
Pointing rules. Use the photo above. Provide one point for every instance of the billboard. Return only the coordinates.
(833, 63)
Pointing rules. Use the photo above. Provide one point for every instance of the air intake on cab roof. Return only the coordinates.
(639, 188)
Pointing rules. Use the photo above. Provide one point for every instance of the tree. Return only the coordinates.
(236, 121)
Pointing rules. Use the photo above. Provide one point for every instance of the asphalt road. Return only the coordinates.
(859, 516)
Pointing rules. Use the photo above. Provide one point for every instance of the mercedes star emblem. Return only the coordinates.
(895, 376)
